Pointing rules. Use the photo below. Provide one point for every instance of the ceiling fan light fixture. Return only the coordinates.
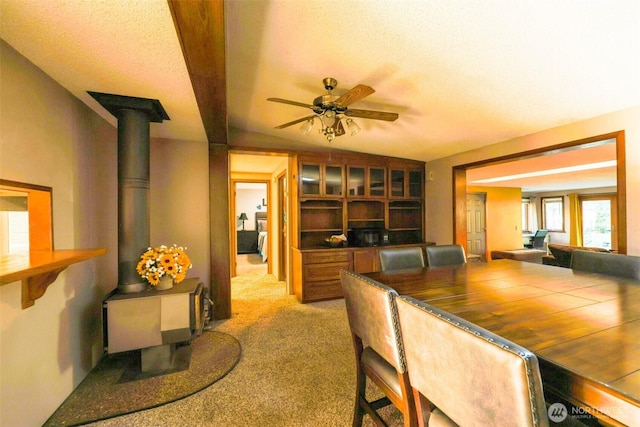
(328, 118)
(307, 126)
(331, 109)
(353, 127)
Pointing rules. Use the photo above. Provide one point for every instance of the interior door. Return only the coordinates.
(476, 224)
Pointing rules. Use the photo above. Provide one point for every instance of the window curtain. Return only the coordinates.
(575, 220)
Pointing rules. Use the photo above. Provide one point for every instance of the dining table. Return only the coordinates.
(583, 327)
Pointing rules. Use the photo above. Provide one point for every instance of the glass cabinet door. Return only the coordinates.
(397, 183)
(356, 181)
(333, 181)
(415, 184)
(376, 182)
(310, 180)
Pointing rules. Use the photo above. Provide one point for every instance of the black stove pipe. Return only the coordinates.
(134, 116)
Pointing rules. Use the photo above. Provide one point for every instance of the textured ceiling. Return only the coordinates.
(460, 74)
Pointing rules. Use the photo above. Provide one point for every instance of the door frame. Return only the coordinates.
(459, 177)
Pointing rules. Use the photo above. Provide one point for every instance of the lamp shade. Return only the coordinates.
(243, 217)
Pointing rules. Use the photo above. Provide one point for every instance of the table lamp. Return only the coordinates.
(243, 218)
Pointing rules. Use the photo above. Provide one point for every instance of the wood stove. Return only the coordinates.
(155, 321)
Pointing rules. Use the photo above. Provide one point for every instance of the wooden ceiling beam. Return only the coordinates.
(200, 28)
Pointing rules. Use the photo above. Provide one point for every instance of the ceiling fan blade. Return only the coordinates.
(355, 94)
(294, 122)
(368, 114)
(286, 101)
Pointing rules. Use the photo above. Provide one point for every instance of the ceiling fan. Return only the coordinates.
(330, 109)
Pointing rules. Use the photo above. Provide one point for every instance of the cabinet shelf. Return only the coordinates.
(39, 269)
(321, 230)
(405, 208)
(323, 208)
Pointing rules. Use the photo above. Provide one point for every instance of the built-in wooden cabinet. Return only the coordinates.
(340, 192)
(321, 180)
(406, 183)
(365, 214)
(366, 181)
(320, 219)
(316, 273)
(405, 222)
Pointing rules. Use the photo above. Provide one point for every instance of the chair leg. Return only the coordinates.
(361, 384)
(423, 408)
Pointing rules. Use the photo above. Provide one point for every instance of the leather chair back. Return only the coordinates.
(606, 263)
(472, 376)
(438, 256)
(369, 309)
(373, 320)
(401, 258)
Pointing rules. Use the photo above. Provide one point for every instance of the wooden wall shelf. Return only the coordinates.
(39, 269)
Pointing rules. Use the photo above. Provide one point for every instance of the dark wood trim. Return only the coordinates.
(621, 177)
(459, 173)
(460, 207)
(220, 289)
(200, 28)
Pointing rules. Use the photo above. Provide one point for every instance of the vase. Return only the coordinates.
(166, 282)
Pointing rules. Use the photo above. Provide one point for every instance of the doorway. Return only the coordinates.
(272, 169)
(250, 213)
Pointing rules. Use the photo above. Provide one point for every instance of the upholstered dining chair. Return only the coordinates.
(470, 376)
(378, 348)
(606, 263)
(401, 258)
(438, 256)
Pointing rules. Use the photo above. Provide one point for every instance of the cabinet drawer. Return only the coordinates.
(317, 291)
(328, 256)
(324, 272)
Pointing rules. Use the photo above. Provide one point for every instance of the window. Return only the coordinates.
(599, 223)
(526, 216)
(553, 213)
(18, 232)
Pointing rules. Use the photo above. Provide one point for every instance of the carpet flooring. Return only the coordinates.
(116, 386)
(297, 367)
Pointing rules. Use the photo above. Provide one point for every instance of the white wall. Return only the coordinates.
(50, 138)
(439, 192)
(179, 192)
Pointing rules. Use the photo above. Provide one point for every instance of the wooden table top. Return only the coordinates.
(584, 327)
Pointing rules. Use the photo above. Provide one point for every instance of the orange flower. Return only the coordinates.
(163, 261)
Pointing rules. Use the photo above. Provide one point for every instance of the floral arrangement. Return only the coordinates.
(164, 261)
